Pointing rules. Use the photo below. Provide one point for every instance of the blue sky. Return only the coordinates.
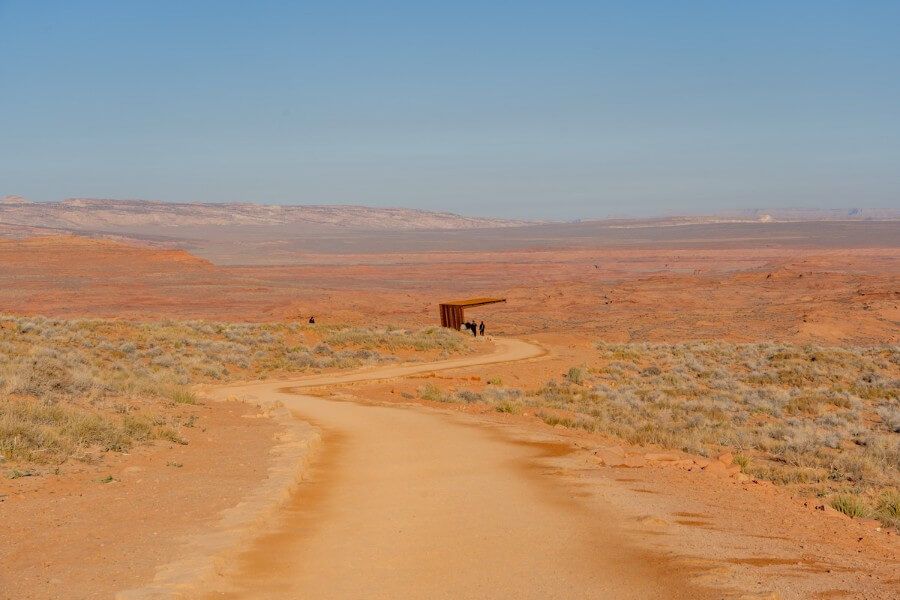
(558, 109)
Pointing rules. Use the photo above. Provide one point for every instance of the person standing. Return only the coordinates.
(481, 328)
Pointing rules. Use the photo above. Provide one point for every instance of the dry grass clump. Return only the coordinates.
(825, 419)
(430, 338)
(887, 507)
(575, 375)
(810, 414)
(508, 400)
(97, 357)
(37, 432)
(72, 387)
(884, 506)
(850, 505)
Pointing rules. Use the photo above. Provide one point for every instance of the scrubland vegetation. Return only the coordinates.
(78, 388)
(431, 338)
(824, 419)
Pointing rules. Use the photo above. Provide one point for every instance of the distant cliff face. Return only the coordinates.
(82, 214)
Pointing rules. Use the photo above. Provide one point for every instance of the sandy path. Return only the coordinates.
(412, 503)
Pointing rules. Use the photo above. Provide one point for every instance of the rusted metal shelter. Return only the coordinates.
(452, 312)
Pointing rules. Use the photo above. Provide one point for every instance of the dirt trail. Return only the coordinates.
(412, 503)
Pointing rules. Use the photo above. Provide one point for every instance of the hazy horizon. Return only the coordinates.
(572, 111)
(611, 216)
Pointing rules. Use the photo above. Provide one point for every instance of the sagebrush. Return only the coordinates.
(823, 418)
(73, 387)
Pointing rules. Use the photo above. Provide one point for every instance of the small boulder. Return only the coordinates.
(716, 468)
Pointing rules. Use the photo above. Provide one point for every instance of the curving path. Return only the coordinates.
(412, 503)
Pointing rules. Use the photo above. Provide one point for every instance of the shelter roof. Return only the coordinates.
(473, 302)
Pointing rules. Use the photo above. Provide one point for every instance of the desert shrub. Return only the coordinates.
(46, 358)
(833, 440)
(554, 419)
(183, 395)
(890, 416)
(508, 406)
(432, 393)
(63, 382)
(468, 396)
(850, 505)
(33, 431)
(575, 375)
(502, 394)
(430, 338)
(807, 415)
(323, 349)
(887, 507)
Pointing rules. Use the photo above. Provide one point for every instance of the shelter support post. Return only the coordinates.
(452, 313)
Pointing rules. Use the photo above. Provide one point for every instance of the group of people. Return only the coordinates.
(475, 329)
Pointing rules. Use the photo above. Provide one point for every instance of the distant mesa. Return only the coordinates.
(174, 224)
(769, 215)
(89, 214)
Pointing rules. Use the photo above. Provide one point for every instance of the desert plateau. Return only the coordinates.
(680, 410)
(574, 300)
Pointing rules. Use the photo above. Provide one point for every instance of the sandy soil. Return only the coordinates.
(417, 502)
(740, 537)
(408, 503)
(73, 536)
(653, 529)
(823, 295)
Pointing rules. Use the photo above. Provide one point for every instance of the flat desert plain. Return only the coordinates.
(688, 411)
